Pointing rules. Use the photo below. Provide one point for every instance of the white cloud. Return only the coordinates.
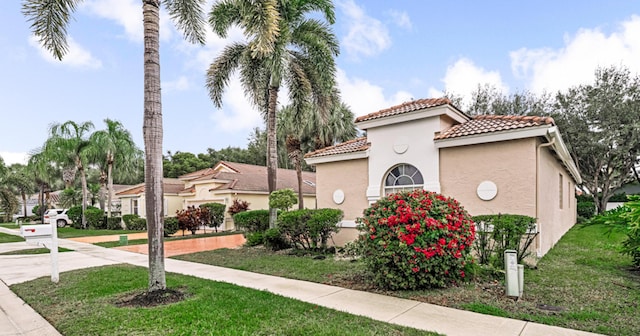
(463, 77)
(364, 97)
(11, 158)
(366, 36)
(76, 56)
(180, 84)
(401, 19)
(128, 14)
(556, 69)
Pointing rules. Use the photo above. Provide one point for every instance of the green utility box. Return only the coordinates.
(124, 240)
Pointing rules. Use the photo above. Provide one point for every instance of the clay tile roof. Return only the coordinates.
(351, 146)
(493, 123)
(170, 186)
(410, 106)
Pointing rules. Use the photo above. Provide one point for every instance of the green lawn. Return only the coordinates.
(582, 283)
(9, 238)
(83, 304)
(186, 236)
(69, 232)
(10, 225)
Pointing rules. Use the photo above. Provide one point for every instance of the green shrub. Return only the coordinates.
(95, 218)
(138, 224)
(283, 199)
(38, 212)
(497, 233)
(586, 209)
(216, 214)
(254, 238)
(274, 240)
(416, 239)
(75, 215)
(114, 223)
(322, 224)
(625, 219)
(252, 221)
(170, 226)
(128, 219)
(309, 229)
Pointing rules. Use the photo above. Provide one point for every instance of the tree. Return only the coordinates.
(284, 48)
(49, 21)
(113, 147)
(19, 180)
(67, 145)
(307, 130)
(600, 122)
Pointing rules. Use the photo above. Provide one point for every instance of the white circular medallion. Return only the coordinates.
(401, 144)
(338, 196)
(487, 190)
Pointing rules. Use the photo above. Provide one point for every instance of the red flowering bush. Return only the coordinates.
(416, 239)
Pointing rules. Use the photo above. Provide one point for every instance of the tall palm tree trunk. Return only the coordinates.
(272, 149)
(152, 132)
(109, 184)
(85, 191)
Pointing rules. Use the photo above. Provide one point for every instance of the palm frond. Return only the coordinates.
(221, 69)
(188, 15)
(49, 21)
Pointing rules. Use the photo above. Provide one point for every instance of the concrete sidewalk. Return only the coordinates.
(384, 308)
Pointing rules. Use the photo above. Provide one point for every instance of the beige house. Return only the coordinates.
(132, 199)
(229, 180)
(491, 164)
(221, 184)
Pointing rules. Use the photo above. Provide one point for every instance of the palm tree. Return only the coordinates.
(114, 144)
(19, 180)
(67, 145)
(49, 21)
(307, 130)
(44, 175)
(284, 48)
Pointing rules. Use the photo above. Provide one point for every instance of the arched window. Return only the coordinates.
(403, 177)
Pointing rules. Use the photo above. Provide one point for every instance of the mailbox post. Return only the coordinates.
(46, 235)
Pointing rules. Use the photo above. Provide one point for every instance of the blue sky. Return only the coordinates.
(391, 52)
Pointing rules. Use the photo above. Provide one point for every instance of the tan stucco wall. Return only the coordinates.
(351, 177)
(511, 165)
(553, 221)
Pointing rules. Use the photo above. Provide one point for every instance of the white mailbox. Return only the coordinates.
(33, 231)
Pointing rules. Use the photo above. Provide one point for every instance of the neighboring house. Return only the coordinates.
(490, 164)
(223, 183)
(227, 181)
(132, 200)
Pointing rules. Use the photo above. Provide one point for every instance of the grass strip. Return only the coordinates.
(9, 238)
(40, 250)
(83, 304)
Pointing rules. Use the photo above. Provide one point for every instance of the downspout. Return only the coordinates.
(550, 143)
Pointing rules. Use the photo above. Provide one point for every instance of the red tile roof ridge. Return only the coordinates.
(409, 106)
(536, 119)
(360, 145)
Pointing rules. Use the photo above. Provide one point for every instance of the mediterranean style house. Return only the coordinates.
(490, 164)
(223, 183)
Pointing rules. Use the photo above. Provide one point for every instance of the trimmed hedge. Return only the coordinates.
(170, 226)
(128, 219)
(252, 220)
(95, 218)
(114, 223)
(309, 228)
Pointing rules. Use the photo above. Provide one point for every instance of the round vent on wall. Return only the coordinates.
(487, 190)
(338, 196)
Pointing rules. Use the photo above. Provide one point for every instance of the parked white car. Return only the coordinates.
(58, 215)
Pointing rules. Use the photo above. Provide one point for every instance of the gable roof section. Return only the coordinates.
(170, 186)
(247, 177)
(406, 107)
(349, 150)
(483, 124)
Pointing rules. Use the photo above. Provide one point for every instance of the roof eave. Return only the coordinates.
(337, 157)
(561, 149)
